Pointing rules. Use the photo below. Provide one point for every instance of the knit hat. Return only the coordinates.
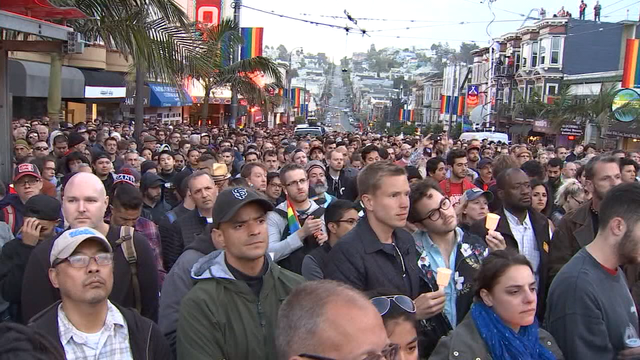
(75, 139)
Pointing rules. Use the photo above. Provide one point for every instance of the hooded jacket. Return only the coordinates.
(221, 317)
(145, 339)
(177, 284)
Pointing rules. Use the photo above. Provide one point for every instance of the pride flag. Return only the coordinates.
(460, 101)
(631, 72)
(296, 96)
(292, 218)
(444, 104)
(252, 46)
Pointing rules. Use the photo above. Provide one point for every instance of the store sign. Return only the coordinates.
(626, 105)
(208, 12)
(472, 95)
(105, 92)
(571, 130)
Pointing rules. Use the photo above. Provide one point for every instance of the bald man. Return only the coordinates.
(84, 204)
(355, 326)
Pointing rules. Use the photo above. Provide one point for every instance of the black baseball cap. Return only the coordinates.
(42, 207)
(150, 180)
(230, 200)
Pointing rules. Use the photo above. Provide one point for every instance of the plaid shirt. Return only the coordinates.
(150, 231)
(113, 342)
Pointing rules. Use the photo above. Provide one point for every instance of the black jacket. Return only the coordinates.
(540, 225)
(176, 235)
(360, 260)
(38, 293)
(145, 339)
(343, 187)
(155, 213)
(13, 260)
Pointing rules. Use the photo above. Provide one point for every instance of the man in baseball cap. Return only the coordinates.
(66, 244)
(27, 183)
(485, 174)
(240, 228)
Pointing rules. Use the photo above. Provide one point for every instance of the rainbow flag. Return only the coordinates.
(631, 72)
(402, 114)
(444, 104)
(296, 96)
(252, 46)
(292, 218)
(281, 91)
(460, 101)
(411, 116)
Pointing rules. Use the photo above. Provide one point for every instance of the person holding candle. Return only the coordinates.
(502, 322)
(448, 256)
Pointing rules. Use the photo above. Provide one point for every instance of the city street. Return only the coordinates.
(339, 102)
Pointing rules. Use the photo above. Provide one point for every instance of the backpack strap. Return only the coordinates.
(129, 251)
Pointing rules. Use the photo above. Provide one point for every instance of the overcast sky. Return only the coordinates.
(435, 21)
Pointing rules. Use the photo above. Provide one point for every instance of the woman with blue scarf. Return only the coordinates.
(501, 324)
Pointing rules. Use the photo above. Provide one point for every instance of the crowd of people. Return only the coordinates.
(216, 243)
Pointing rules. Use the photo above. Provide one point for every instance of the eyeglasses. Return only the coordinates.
(25, 182)
(301, 182)
(82, 261)
(275, 185)
(434, 214)
(390, 352)
(383, 303)
(351, 222)
(41, 148)
(577, 201)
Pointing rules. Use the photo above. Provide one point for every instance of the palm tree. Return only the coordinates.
(238, 75)
(155, 34)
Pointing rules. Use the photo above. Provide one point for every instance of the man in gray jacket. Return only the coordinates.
(590, 311)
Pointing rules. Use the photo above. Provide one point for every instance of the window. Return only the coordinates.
(517, 62)
(555, 50)
(525, 55)
(543, 52)
(552, 89)
(534, 54)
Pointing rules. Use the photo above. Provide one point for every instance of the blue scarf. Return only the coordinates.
(504, 343)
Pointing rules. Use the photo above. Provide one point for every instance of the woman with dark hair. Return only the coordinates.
(399, 316)
(502, 322)
(19, 342)
(73, 160)
(540, 200)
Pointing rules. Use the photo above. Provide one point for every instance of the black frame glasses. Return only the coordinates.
(390, 352)
(576, 200)
(383, 303)
(445, 204)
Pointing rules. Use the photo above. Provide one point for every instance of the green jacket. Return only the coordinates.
(221, 318)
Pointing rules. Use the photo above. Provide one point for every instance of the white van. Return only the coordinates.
(491, 136)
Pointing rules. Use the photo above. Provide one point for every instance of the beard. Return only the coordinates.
(629, 248)
(320, 188)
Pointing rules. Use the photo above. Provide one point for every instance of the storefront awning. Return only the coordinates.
(164, 95)
(31, 79)
(104, 85)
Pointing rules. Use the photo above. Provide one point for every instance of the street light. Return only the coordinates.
(289, 85)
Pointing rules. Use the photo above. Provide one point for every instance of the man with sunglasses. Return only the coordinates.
(341, 216)
(329, 320)
(442, 244)
(85, 324)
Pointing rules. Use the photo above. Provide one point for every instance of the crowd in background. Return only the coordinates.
(196, 242)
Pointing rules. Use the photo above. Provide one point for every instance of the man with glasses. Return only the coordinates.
(27, 183)
(289, 247)
(442, 244)
(85, 324)
(341, 216)
(328, 320)
(84, 204)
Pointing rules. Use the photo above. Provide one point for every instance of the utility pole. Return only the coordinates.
(237, 4)
(490, 89)
(453, 95)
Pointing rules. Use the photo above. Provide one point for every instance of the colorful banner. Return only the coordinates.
(452, 105)
(296, 97)
(406, 115)
(252, 46)
(631, 72)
